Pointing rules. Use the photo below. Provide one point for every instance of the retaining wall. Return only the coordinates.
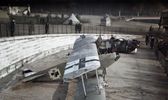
(15, 51)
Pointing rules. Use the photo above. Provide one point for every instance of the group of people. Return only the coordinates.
(78, 27)
(106, 46)
(152, 40)
(116, 45)
(30, 27)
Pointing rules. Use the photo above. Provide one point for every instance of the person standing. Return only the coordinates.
(80, 27)
(28, 10)
(150, 29)
(75, 28)
(147, 39)
(12, 27)
(152, 42)
(113, 45)
(46, 27)
(31, 28)
(108, 46)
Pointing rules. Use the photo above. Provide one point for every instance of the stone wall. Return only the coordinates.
(18, 50)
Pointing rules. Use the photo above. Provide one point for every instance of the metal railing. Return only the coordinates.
(36, 29)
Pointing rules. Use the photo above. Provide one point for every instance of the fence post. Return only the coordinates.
(0, 31)
(38, 29)
(104, 29)
(100, 29)
(66, 29)
(96, 29)
(83, 29)
(57, 29)
(23, 30)
(7, 30)
(61, 29)
(86, 29)
(50, 26)
(18, 29)
(53, 28)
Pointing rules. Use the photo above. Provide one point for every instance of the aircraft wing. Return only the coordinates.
(46, 69)
(83, 59)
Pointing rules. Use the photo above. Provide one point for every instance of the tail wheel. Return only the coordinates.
(54, 74)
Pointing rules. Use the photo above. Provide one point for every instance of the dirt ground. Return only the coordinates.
(137, 77)
(133, 77)
(36, 91)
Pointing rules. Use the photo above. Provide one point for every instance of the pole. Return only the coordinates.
(84, 89)
(97, 81)
(119, 13)
(86, 73)
(0, 31)
(97, 77)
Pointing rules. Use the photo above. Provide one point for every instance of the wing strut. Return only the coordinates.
(84, 89)
(98, 81)
(86, 76)
(83, 83)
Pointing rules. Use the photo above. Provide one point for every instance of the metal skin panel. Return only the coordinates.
(74, 72)
(83, 59)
